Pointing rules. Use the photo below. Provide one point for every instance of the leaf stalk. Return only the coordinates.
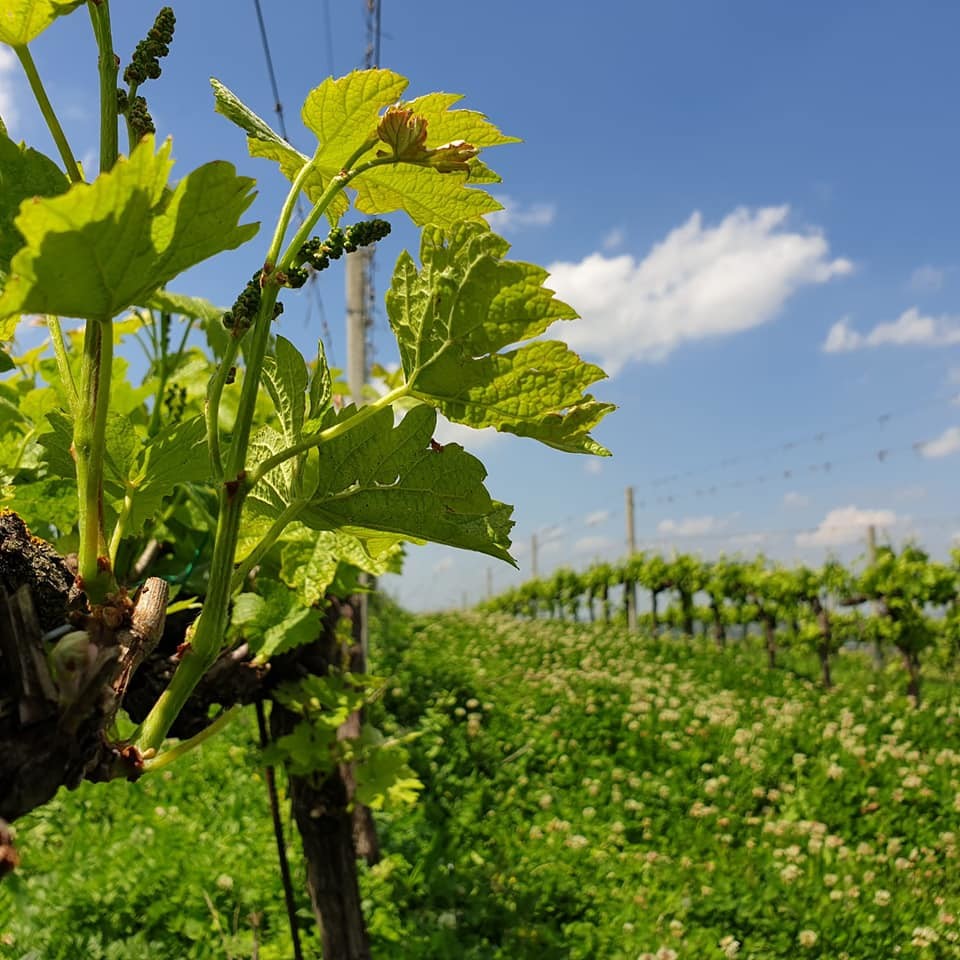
(49, 114)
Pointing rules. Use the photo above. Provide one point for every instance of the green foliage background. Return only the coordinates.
(588, 794)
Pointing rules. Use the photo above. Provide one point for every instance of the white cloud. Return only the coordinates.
(948, 442)
(914, 492)
(700, 281)
(842, 338)
(927, 279)
(794, 499)
(690, 526)
(598, 516)
(593, 544)
(443, 565)
(911, 328)
(614, 239)
(845, 525)
(593, 466)
(8, 70)
(516, 215)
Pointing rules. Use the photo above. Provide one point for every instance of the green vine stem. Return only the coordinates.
(214, 392)
(287, 516)
(161, 760)
(49, 115)
(108, 69)
(121, 525)
(90, 417)
(211, 627)
(63, 362)
(204, 645)
(89, 442)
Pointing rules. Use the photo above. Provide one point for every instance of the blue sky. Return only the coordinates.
(752, 205)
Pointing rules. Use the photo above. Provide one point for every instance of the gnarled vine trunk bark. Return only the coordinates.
(47, 743)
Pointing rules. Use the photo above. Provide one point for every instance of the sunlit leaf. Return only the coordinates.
(454, 315)
(23, 20)
(102, 247)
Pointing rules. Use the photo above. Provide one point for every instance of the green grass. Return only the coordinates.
(594, 794)
(589, 794)
(172, 867)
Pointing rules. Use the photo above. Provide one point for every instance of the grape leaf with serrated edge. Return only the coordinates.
(343, 113)
(102, 247)
(466, 303)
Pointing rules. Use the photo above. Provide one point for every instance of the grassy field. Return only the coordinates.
(589, 794)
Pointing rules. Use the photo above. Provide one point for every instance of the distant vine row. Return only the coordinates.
(901, 600)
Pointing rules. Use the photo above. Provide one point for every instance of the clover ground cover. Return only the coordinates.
(594, 794)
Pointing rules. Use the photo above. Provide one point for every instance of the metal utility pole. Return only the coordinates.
(533, 556)
(357, 322)
(631, 587)
(489, 583)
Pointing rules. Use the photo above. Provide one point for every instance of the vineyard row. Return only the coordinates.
(900, 600)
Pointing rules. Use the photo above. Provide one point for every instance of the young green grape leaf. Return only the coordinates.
(310, 748)
(44, 504)
(264, 142)
(6, 362)
(309, 563)
(384, 477)
(57, 443)
(176, 455)
(273, 621)
(23, 20)
(417, 186)
(321, 385)
(345, 115)
(102, 247)
(24, 173)
(453, 317)
(196, 308)
(146, 472)
(385, 778)
(285, 377)
(274, 491)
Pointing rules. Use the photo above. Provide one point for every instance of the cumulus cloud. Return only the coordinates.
(8, 70)
(927, 279)
(845, 525)
(947, 443)
(517, 216)
(690, 526)
(598, 516)
(910, 329)
(443, 565)
(594, 466)
(794, 499)
(700, 281)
